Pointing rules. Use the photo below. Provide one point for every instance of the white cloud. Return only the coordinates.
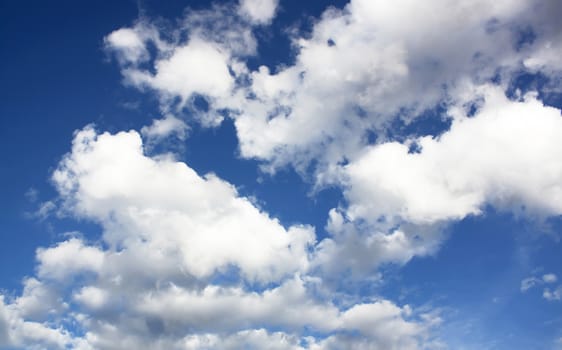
(412, 57)
(19, 333)
(177, 265)
(354, 251)
(228, 309)
(323, 107)
(185, 262)
(68, 258)
(507, 155)
(381, 320)
(4, 326)
(129, 45)
(92, 297)
(549, 278)
(400, 202)
(39, 300)
(249, 339)
(259, 11)
(184, 73)
(112, 315)
(162, 128)
(529, 283)
(198, 67)
(163, 204)
(552, 295)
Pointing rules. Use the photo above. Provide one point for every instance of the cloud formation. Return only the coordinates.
(506, 155)
(549, 293)
(259, 11)
(324, 106)
(185, 262)
(164, 206)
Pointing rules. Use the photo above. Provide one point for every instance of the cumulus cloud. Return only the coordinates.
(259, 11)
(549, 278)
(162, 128)
(400, 197)
(68, 258)
(354, 251)
(39, 300)
(128, 43)
(166, 206)
(17, 332)
(251, 339)
(198, 67)
(4, 330)
(552, 295)
(324, 105)
(183, 261)
(480, 160)
(219, 317)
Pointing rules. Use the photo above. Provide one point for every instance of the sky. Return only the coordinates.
(281, 174)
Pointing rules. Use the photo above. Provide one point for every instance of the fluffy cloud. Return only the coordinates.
(15, 331)
(198, 67)
(325, 105)
(400, 197)
(68, 258)
(549, 278)
(162, 128)
(183, 262)
(4, 330)
(251, 339)
(552, 295)
(170, 234)
(219, 317)
(507, 155)
(39, 300)
(354, 251)
(248, 339)
(128, 44)
(259, 11)
(167, 207)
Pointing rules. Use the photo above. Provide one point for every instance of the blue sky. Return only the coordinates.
(263, 174)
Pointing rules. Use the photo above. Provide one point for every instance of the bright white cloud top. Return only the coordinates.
(510, 153)
(184, 261)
